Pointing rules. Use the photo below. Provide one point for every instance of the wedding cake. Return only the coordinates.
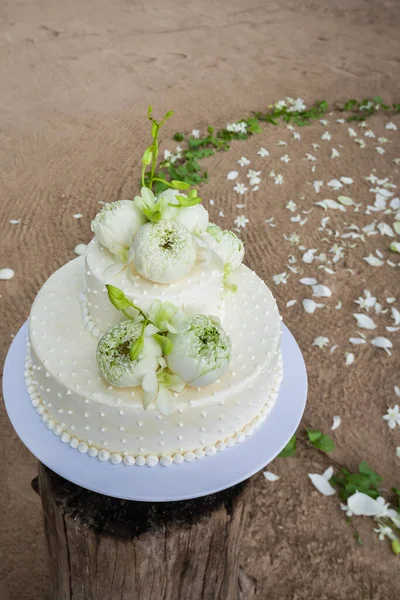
(158, 346)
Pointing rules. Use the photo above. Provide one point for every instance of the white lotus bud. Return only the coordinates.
(113, 355)
(227, 245)
(116, 225)
(194, 218)
(164, 251)
(199, 355)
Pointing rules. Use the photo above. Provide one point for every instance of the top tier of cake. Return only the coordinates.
(201, 291)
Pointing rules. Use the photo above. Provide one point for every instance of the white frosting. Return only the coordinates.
(200, 291)
(110, 423)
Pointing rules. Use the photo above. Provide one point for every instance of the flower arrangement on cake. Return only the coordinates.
(159, 345)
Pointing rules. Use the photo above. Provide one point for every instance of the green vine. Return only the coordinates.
(186, 167)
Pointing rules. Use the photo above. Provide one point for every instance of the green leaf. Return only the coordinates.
(350, 104)
(179, 137)
(136, 348)
(320, 441)
(149, 111)
(179, 185)
(313, 435)
(396, 546)
(153, 216)
(154, 129)
(210, 129)
(373, 477)
(164, 343)
(377, 100)
(289, 449)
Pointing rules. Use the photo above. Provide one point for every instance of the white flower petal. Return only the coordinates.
(349, 358)
(364, 321)
(270, 476)
(373, 261)
(322, 485)
(290, 303)
(308, 281)
(346, 180)
(385, 229)
(322, 291)
(381, 342)
(232, 175)
(310, 306)
(328, 473)
(356, 341)
(6, 273)
(336, 422)
(361, 504)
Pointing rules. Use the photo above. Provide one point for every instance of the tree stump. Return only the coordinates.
(102, 548)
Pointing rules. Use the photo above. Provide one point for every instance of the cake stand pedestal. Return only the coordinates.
(103, 548)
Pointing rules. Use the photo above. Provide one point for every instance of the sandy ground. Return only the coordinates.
(76, 80)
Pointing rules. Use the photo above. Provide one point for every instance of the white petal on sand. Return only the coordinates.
(361, 504)
(382, 342)
(270, 476)
(331, 204)
(364, 321)
(232, 175)
(346, 180)
(6, 273)
(322, 484)
(78, 216)
(80, 249)
(374, 261)
(356, 341)
(290, 303)
(385, 229)
(308, 281)
(395, 315)
(349, 358)
(310, 306)
(322, 291)
(336, 422)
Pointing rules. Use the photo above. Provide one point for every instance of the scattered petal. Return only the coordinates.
(290, 303)
(373, 261)
(322, 291)
(263, 152)
(321, 341)
(356, 341)
(349, 358)
(362, 505)
(280, 278)
(78, 216)
(364, 321)
(232, 175)
(308, 281)
(6, 273)
(310, 306)
(270, 476)
(346, 180)
(322, 484)
(14, 221)
(382, 342)
(240, 188)
(334, 153)
(243, 161)
(336, 422)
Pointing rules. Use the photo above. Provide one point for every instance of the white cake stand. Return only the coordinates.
(159, 484)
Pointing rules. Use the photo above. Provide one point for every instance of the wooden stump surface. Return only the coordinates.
(102, 548)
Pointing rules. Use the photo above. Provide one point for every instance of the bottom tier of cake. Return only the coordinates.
(74, 402)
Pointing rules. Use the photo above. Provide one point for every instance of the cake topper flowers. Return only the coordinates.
(162, 237)
(162, 351)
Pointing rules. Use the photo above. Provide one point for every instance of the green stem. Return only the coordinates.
(154, 155)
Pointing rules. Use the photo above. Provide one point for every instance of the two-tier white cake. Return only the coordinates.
(127, 372)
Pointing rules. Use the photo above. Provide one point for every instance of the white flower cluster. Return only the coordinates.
(172, 350)
(160, 237)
